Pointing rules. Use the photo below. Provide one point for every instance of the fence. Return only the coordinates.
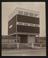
(22, 45)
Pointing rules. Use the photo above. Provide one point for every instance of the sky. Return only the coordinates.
(8, 8)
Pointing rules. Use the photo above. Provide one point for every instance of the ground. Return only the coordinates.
(24, 52)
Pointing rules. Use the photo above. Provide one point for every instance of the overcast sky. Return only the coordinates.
(8, 8)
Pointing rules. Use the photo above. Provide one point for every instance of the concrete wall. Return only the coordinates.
(31, 39)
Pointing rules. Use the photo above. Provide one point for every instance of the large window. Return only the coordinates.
(27, 29)
(27, 19)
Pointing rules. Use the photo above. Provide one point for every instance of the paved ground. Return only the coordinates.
(24, 52)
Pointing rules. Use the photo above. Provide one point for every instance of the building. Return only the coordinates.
(23, 29)
(7, 42)
(24, 26)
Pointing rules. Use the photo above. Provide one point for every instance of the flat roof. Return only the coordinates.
(31, 13)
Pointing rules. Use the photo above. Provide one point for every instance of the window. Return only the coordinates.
(27, 29)
(30, 14)
(26, 13)
(20, 12)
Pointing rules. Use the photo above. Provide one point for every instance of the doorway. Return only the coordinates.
(22, 38)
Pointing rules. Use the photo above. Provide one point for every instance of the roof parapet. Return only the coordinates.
(25, 12)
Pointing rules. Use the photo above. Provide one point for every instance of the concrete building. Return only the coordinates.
(23, 29)
(24, 26)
